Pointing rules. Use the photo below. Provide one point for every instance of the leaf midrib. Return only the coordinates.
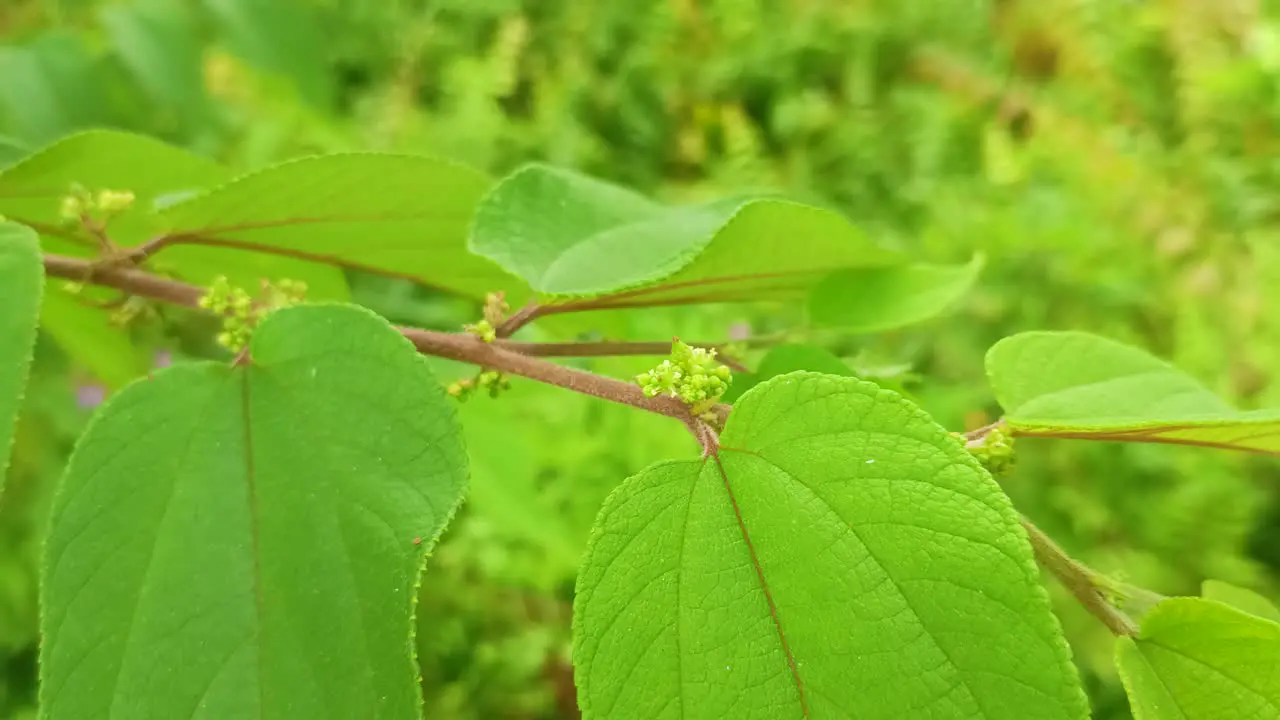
(959, 672)
(254, 520)
(764, 586)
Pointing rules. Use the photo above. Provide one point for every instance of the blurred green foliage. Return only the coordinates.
(1115, 162)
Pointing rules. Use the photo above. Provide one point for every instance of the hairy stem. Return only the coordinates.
(462, 347)
(1083, 583)
(609, 348)
(520, 359)
(519, 319)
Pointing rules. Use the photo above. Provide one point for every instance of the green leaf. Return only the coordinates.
(32, 190)
(570, 235)
(1240, 599)
(246, 541)
(87, 336)
(21, 280)
(1077, 385)
(784, 359)
(1201, 660)
(877, 299)
(104, 159)
(396, 215)
(11, 151)
(52, 86)
(280, 38)
(841, 557)
(157, 42)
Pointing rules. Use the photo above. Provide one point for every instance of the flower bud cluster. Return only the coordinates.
(81, 203)
(690, 374)
(994, 450)
(492, 380)
(241, 313)
(483, 330)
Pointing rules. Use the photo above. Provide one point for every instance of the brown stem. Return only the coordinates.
(608, 348)
(134, 282)
(1082, 582)
(519, 319)
(470, 349)
(979, 434)
(455, 346)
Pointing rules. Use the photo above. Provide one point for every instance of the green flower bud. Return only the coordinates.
(72, 208)
(483, 330)
(690, 374)
(114, 201)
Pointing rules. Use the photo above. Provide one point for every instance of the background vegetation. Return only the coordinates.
(1114, 160)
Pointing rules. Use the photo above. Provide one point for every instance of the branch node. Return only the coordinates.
(519, 319)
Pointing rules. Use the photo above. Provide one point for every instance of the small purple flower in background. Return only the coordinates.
(739, 331)
(163, 359)
(90, 395)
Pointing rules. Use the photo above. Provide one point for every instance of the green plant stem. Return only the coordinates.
(462, 347)
(1082, 582)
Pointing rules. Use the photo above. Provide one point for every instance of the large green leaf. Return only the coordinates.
(1077, 385)
(883, 298)
(32, 191)
(104, 159)
(1201, 660)
(21, 280)
(397, 215)
(841, 557)
(570, 235)
(246, 542)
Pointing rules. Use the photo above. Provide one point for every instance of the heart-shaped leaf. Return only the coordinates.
(21, 281)
(1077, 385)
(841, 556)
(570, 235)
(1201, 660)
(246, 542)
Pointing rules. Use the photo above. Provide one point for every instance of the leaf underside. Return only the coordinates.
(1077, 385)
(877, 299)
(397, 215)
(21, 282)
(31, 191)
(570, 235)
(1201, 660)
(240, 542)
(842, 557)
